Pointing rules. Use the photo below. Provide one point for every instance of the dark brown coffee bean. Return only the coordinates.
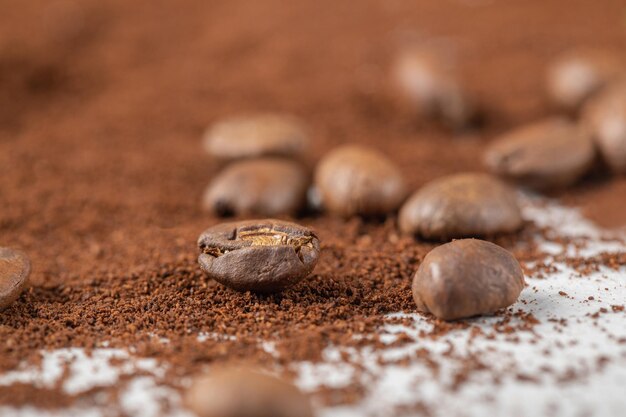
(355, 180)
(431, 84)
(14, 272)
(461, 205)
(576, 75)
(549, 154)
(258, 255)
(264, 187)
(605, 116)
(466, 278)
(256, 135)
(239, 392)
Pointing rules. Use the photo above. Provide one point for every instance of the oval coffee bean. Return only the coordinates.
(14, 272)
(461, 205)
(355, 180)
(576, 75)
(466, 278)
(256, 135)
(548, 154)
(258, 255)
(265, 187)
(430, 83)
(605, 116)
(237, 392)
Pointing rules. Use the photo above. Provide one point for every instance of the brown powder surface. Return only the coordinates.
(101, 169)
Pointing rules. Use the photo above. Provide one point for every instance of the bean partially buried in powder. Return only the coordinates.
(430, 83)
(548, 154)
(466, 278)
(258, 255)
(461, 205)
(14, 271)
(355, 180)
(605, 116)
(257, 135)
(576, 75)
(240, 392)
(264, 187)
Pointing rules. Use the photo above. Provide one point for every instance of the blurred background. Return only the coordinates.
(103, 103)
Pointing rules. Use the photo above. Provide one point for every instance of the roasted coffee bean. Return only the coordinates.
(605, 116)
(255, 136)
(264, 187)
(548, 154)
(14, 272)
(355, 180)
(431, 84)
(466, 278)
(461, 205)
(240, 392)
(575, 76)
(262, 256)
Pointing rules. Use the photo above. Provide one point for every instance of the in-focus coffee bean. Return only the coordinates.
(605, 116)
(241, 392)
(549, 154)
(466, 278)
(576, 75)
(257, 135)
(262, 256)
(264, 187)
(356, 180)
(431, 84)
(461, 205)
(14, 272)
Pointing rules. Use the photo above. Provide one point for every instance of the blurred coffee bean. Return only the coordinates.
(466, 278)
(14, 272)
(240, 392)
(605, 116)
(461, 205)
(548, 154)
(356, 180)
(256, 135)
(431, 84)
(258, 255)
(575, 76)
(265, 187)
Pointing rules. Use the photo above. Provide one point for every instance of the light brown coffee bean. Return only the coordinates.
(466, 278)
(264, 187)
(576, 75)
(548, 154)
(461, 205)
(605, 116)
(262, 256)
(356, 180)
(14, 272)
(256, 135)
(240, 392)
(431, 84)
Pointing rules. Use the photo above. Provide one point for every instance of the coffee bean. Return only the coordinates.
(548, 154)
(255, 136)
(461, 205)
(575, 76)
(258, 255)
(358, 180)
(605, 115)
(265, 187)
(431, 84)
(240, 392)
(466, 278)
(14, 272)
